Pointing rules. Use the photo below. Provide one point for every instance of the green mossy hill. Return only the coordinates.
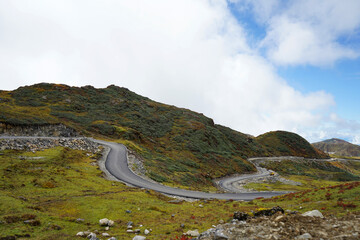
(179, 147)
(282, 143)
(338, 147)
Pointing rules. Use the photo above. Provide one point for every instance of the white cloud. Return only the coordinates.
(188, 53)
(254, 99)
(307, 31)
(334, 126)
(295, 42)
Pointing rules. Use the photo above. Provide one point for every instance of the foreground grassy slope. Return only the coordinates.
(58, 186)
(282, 143)
(338, 147)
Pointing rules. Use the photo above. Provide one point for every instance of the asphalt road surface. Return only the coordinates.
(229, 183)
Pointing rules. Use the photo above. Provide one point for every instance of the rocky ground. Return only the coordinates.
(54, 130)
(286, 226)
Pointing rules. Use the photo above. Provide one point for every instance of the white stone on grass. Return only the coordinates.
(139, 237)
(104, 222)
(193, 233)
(313, 213)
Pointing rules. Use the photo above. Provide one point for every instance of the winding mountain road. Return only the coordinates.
(230, 183)
(116, 164)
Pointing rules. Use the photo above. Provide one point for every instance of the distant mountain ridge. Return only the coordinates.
(338, 147)
(179, 146)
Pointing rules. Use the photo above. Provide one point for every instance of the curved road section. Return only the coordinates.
(230, 183)
(116, 164)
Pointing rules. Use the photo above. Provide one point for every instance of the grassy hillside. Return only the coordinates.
(55, 187)
(178, 146)
(282, 143)
(338, 147)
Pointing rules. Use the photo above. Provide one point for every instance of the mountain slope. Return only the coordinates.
(338, 147)
(178, 146)
(282, 143)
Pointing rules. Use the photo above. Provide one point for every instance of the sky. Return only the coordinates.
(252, 65)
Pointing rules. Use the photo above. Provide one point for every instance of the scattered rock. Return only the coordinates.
(79, 220)
(104, 222)
(146, 232)
(139, 237)
(81, 234)
(313, 213)
(92, 236)
(128, 211)
(112, 238)
(110, 223)
(241, 216)
(219, 235)
(105, 235)
(192, 233)
(304, 236)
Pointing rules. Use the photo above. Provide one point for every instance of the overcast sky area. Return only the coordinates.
(254, 66)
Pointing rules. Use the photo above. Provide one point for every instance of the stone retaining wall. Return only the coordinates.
(36, 144)
(54, 130)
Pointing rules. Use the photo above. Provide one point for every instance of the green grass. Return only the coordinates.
(331, 171)
(331, 200)
(306, 184)
(63, 185)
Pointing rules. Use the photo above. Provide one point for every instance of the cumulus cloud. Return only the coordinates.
(306, 31)
(188, 53)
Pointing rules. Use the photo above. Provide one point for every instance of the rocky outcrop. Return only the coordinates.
(36, 144)
(53, 130)
(287, 226)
